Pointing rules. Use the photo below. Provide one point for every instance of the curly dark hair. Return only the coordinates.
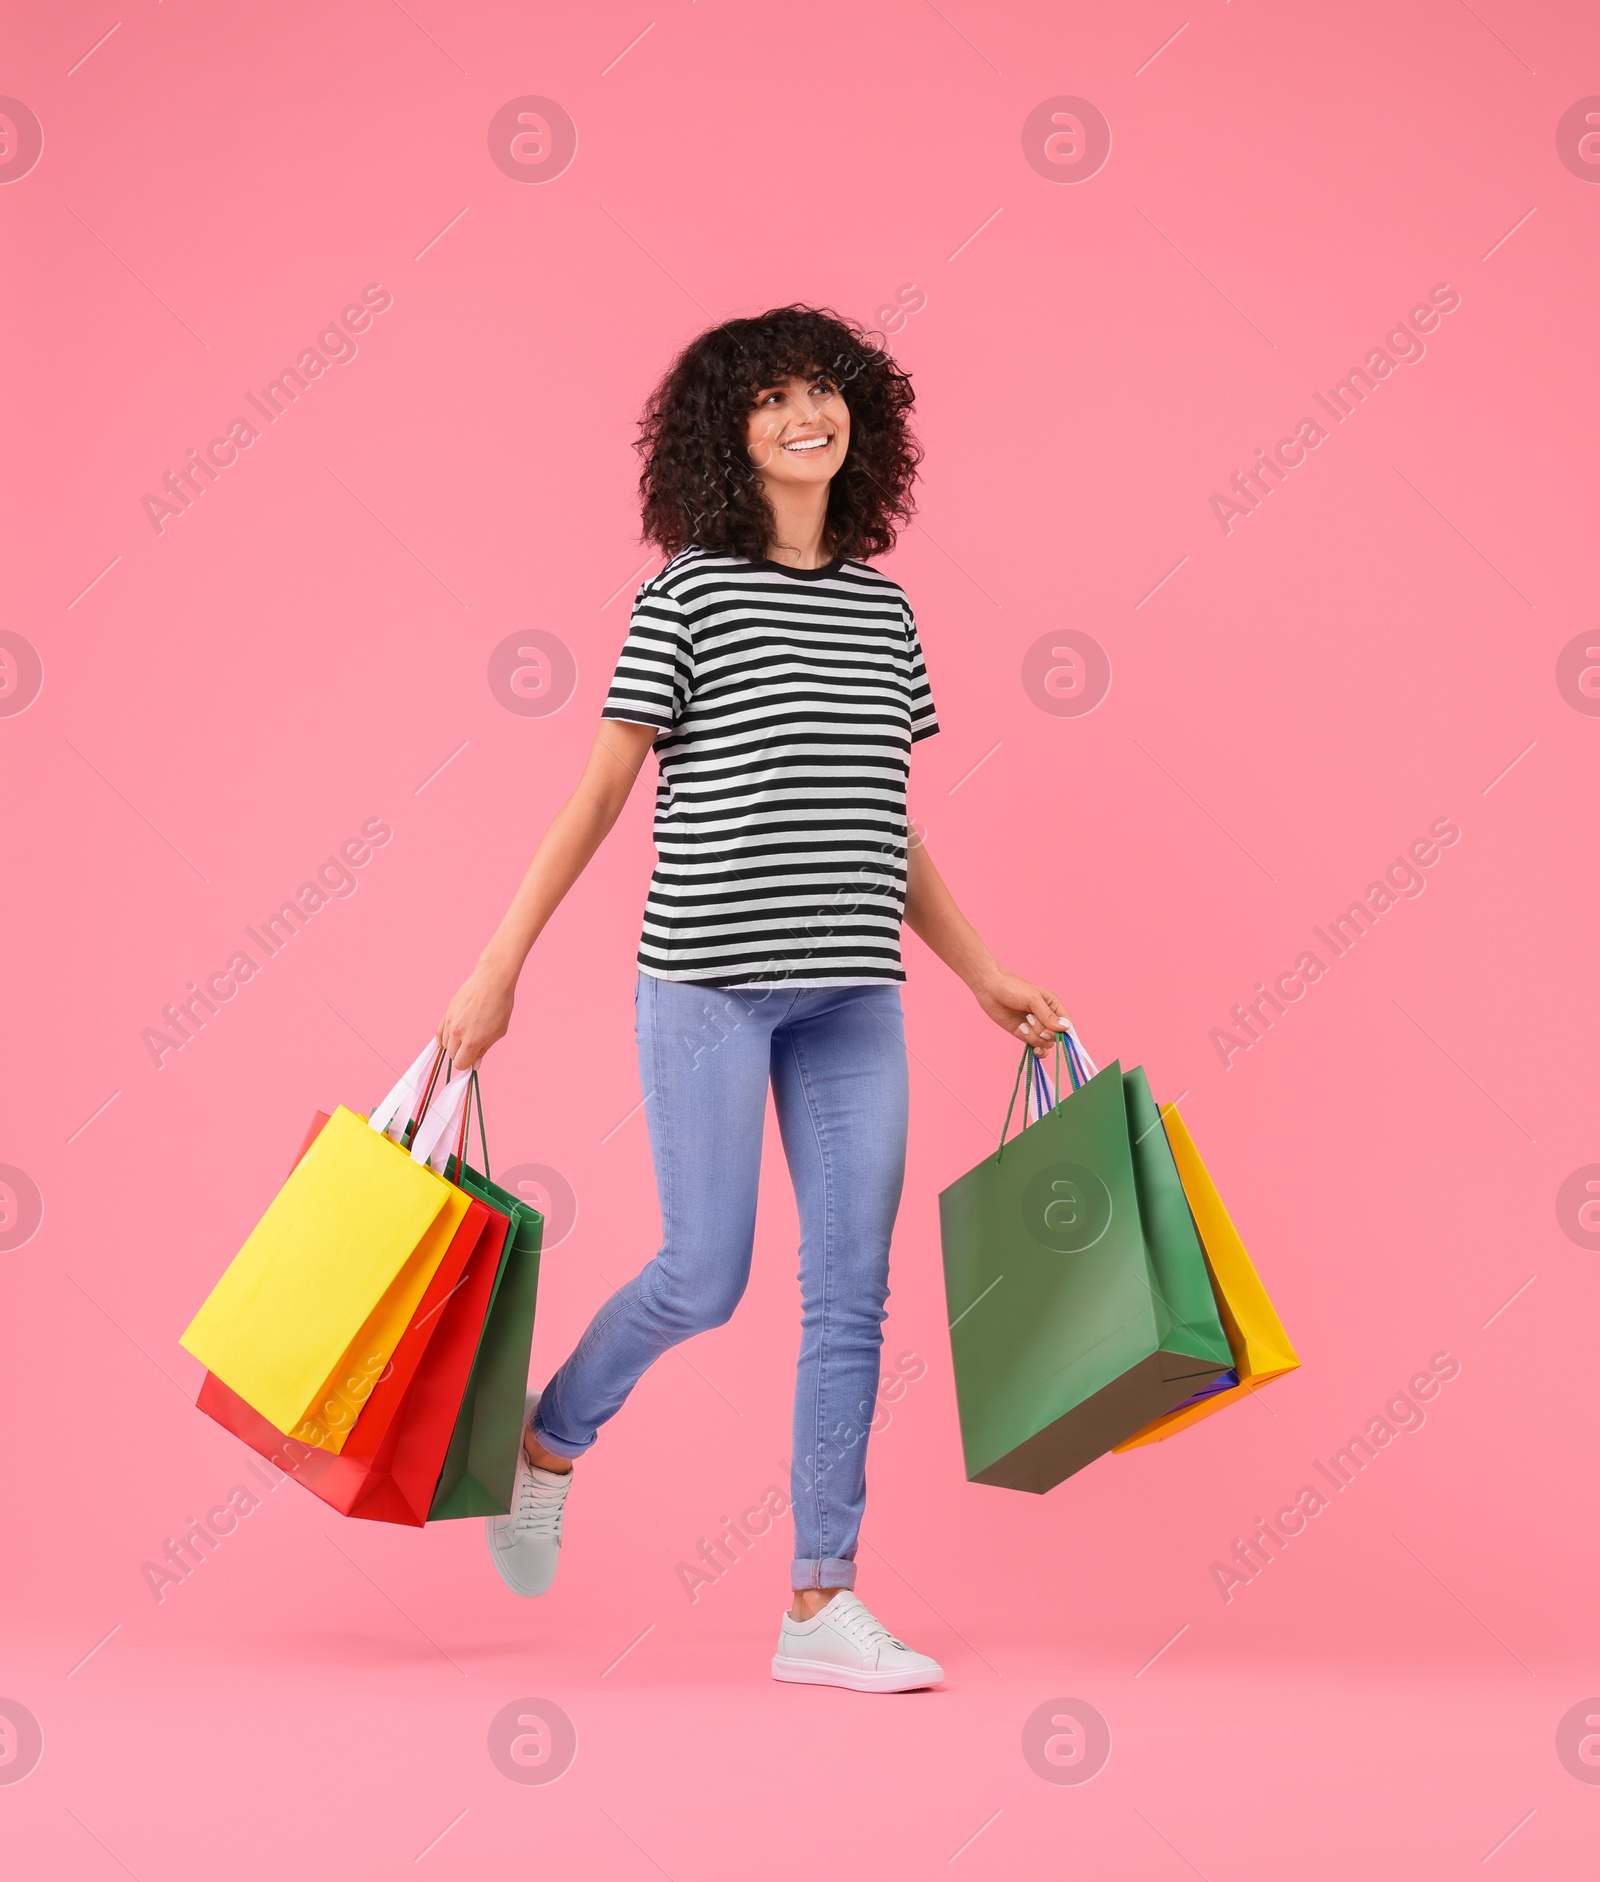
(697, 485)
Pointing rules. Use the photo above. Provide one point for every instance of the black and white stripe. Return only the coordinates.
(789, 700)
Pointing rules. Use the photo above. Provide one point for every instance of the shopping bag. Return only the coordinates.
(392, 1458)
(1078, 1299)
(395, 1484)
(311, 1309)
(481, 1463)
(1260, 1347)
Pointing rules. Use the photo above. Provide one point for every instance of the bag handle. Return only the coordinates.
(1043, 1097)
(482, 1139)
(1038, 1092)
(1087, 1068)
(402, 1113)
(474, 1103)
(1016, 1086)
(1046, 1091)
(435, 1127)
(401, 1105)
(461, 1135)
(471, 1104)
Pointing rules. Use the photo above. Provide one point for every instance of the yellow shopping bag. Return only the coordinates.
(1260, 1347)
(318, 1297)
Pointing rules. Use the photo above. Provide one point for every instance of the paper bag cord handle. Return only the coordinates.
(1041, 1089)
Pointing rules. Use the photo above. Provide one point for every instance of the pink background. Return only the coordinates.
(1292, 704)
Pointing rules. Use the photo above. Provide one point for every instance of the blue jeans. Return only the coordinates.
(836, 1061)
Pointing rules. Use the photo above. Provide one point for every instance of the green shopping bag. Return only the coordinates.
(1079, 1303)
(480, 1464)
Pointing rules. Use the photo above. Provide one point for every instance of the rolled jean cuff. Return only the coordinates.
(559, 1445)
(831, 1572)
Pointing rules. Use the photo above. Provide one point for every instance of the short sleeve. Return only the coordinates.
(655, 670)
(924, 720)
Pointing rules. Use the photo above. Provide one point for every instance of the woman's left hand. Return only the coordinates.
(1024, 1009)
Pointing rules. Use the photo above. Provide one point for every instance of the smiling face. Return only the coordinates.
(798, 432)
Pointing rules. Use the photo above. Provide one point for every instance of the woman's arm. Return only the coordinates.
(1020, 1006)
(481, 1011)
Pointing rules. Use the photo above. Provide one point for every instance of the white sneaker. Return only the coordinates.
(525, 1545)
(843, 1644)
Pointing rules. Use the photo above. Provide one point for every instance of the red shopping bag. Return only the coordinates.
(390, 1463)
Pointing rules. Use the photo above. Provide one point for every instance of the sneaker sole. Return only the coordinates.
(500, 1569)
(817, 1673)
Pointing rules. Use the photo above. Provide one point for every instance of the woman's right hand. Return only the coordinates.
(478, 1016)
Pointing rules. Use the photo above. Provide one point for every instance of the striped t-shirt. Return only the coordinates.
(789, 700)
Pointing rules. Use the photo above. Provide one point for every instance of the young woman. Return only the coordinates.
(780, 682)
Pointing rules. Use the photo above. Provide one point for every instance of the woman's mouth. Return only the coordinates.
(806, 447)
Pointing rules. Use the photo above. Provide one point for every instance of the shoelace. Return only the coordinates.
(539, 1506)
(860, 1625)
